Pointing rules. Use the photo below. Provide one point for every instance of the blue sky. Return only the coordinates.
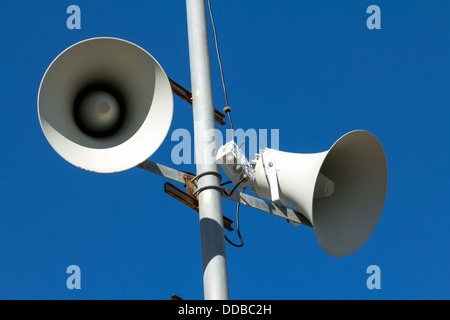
(311, 69)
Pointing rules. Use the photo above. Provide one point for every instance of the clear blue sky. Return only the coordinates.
(311, 69)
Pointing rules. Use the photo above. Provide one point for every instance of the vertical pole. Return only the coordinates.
(215, 278)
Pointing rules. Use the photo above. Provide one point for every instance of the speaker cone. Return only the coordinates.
(105, 105)
(340, 191)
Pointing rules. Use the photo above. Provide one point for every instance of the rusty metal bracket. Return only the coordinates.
(190, 200)
(180, 91)
(181, 196)
(190, 185)
(186, 95)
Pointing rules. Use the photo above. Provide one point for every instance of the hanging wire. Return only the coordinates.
(227, 108)
(235, 187)
(237, 228)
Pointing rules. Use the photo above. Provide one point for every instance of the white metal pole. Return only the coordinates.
(215, 278)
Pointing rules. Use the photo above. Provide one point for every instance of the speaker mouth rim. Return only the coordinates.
(336, 248)
(151, 141)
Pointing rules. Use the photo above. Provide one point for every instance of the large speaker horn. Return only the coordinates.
(341, 191)
(105, 105)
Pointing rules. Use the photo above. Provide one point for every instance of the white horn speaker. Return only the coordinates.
(341, 191)
(105, 105)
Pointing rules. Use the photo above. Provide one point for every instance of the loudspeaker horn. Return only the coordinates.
(340, 191)
(105, 105)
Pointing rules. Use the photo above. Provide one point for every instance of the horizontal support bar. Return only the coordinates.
(295, 217)
(181, 196)
(163, 171)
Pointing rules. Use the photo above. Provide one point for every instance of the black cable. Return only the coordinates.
(218, 53)
(227, 108)
(237, 228)
(235, 187)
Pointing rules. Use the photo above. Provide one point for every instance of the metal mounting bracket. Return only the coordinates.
(271, 173)
(296, 218)
(191, 201)
(186, 95)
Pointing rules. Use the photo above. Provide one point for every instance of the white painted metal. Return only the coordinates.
(343, 221)
(235, 164)
(270, 170)
(215, 276)
(147, 98)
